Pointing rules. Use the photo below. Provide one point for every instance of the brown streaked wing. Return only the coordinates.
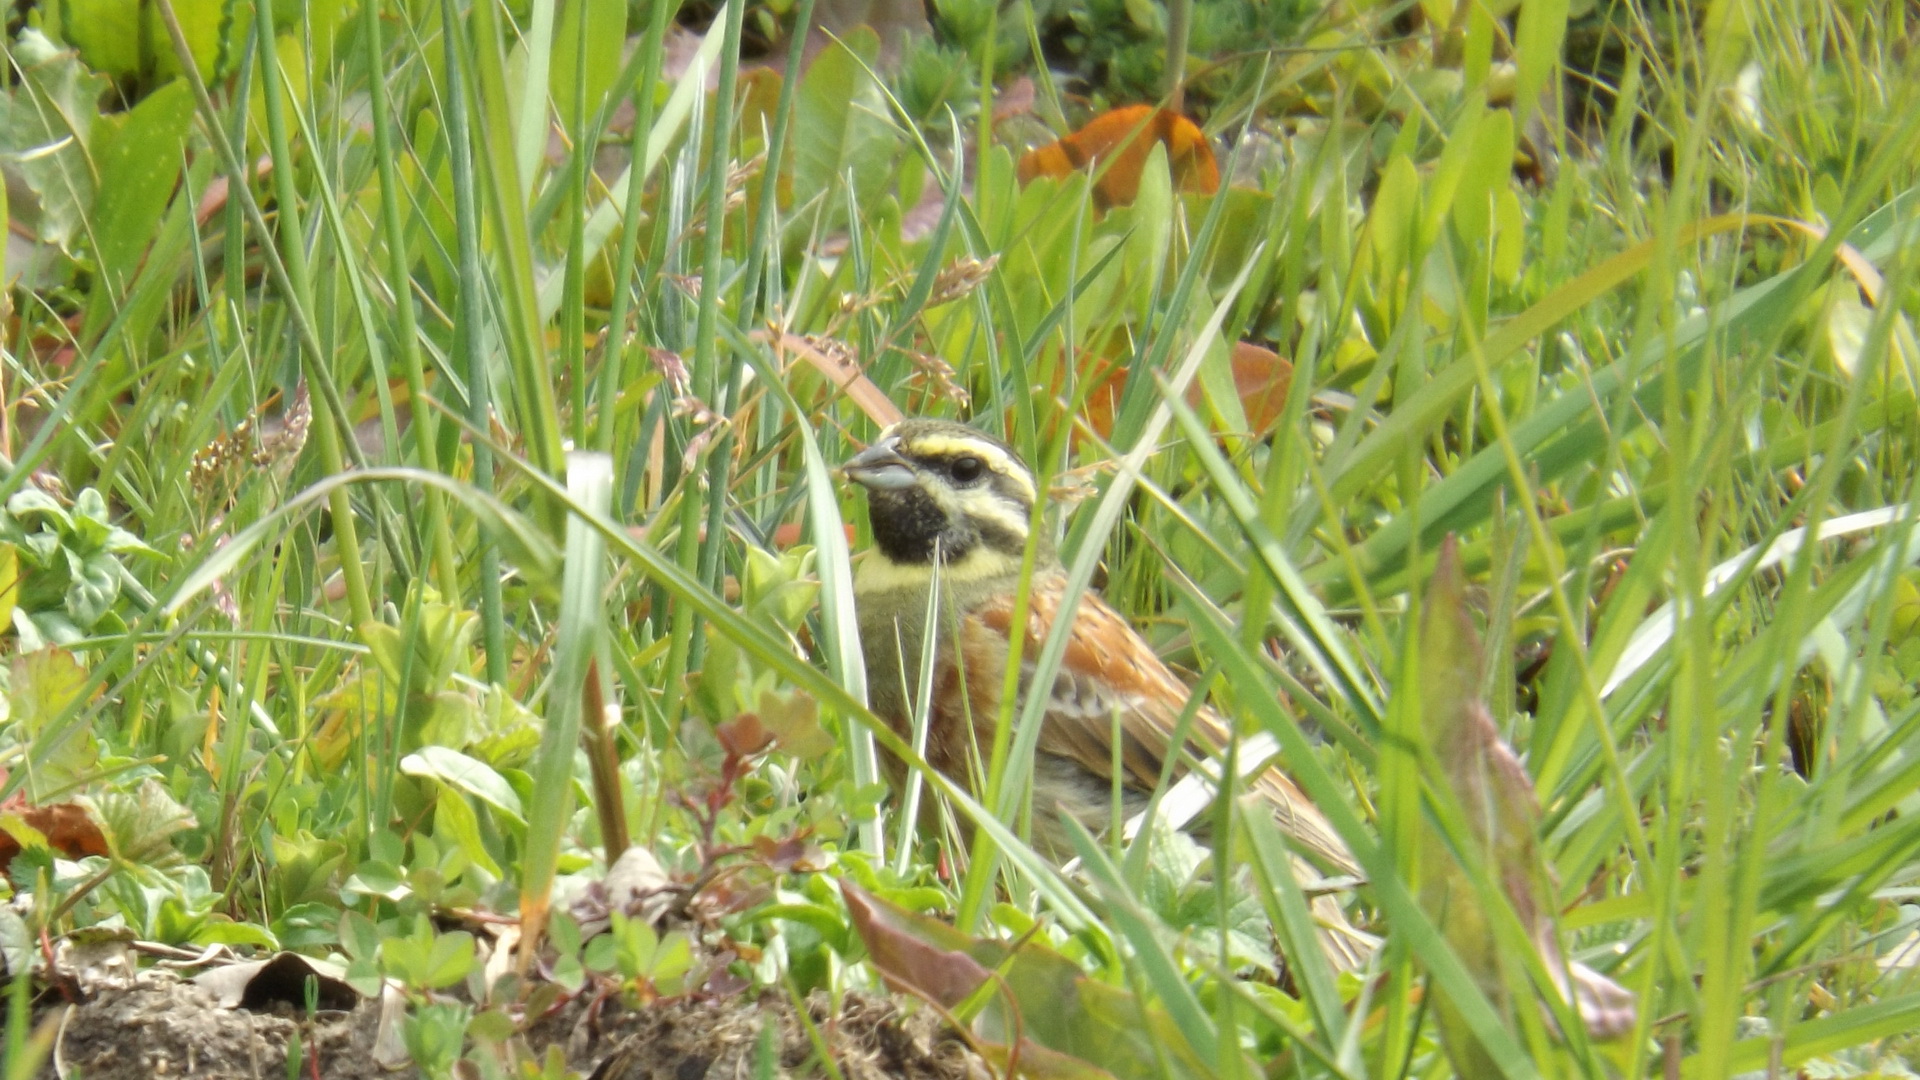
(1108, 668)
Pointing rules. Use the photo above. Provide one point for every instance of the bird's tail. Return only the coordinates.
(1348, 948)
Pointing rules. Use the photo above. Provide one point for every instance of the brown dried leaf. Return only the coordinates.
(1261, 377)
(743, 736)
(834, 360)
(66, 828)
(1065, 1025)
(912, 956)
(793, 854)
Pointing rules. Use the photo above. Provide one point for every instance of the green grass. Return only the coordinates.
(1663, 395)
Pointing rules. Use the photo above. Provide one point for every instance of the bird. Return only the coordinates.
(948, 502)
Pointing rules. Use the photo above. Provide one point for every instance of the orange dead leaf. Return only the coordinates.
(1118, 142)
(1260, 375)
(67, 828)
(788, 533)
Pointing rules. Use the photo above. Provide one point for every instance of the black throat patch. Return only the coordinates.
(909, 527)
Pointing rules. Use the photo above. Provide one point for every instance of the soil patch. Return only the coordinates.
(163, 1026)
(870, 1038)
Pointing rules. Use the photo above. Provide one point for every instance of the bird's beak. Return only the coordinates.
(880, 468)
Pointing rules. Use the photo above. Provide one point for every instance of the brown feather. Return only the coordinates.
(1104, 650)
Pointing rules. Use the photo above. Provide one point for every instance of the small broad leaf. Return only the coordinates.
(454, 821)
(90, 518)
(715, 694)
(140, 825)
(428, 960)
(93, 589)
(19, 944)
(343, 713)
(1396, 207)
(1848, 322)
(1906, 608)
(793, 719)
(46, 684)
(30, 503)
(447, 718)
(46, 125)
(358, 935)
(463, 773)
(374, 878)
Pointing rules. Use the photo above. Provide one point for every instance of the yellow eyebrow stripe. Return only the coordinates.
(996, 459)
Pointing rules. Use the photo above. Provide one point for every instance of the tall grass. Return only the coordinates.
(1663, 395)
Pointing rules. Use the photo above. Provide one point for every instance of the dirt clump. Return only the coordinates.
(163, 1026)
(870, 1038)
(159, 1026)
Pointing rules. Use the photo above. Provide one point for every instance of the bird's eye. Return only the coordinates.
(966, 470)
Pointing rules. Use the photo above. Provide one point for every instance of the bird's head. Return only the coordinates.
(936, 488)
